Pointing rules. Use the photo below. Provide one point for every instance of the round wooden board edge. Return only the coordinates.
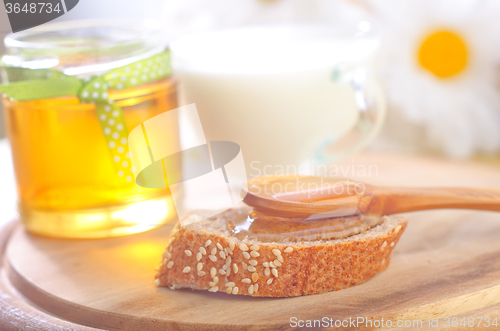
(17, 313)
(464, 304)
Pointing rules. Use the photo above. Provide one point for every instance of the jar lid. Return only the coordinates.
(84, 47)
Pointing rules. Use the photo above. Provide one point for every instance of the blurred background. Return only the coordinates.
(438, 61)
(454, 113)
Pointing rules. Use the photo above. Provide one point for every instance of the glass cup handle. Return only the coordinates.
(371, 106)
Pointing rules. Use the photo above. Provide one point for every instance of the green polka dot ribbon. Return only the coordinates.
(34, 84)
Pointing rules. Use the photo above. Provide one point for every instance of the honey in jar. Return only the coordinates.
(66, 178)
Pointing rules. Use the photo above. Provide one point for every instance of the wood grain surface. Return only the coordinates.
(16, 313)
(447, 263)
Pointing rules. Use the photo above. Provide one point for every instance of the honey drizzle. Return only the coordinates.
(246, 223)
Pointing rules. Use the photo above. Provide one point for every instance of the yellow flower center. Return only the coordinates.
(443, 53)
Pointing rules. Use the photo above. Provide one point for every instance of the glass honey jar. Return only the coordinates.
(72, 179)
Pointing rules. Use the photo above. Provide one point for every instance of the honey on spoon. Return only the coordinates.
(330, 196)
(295, 208)
(288, 225)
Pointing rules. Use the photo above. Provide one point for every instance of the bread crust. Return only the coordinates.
(305, 268)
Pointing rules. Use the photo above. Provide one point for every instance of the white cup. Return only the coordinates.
(293, 98)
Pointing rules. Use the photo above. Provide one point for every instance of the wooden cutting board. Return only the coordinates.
(446, 264)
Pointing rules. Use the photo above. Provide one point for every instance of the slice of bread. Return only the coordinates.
(205, 255)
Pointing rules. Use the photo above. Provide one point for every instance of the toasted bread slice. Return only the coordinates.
(205, 255)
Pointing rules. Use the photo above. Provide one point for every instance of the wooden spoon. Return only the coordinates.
(320, 197)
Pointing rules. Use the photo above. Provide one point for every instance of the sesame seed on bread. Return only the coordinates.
(205, 255)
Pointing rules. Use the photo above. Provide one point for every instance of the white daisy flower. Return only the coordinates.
(440, 64)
